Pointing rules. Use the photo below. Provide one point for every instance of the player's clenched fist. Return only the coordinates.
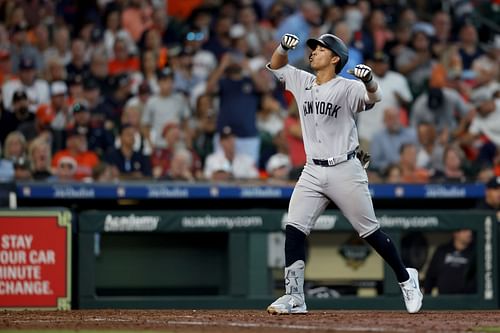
(289, 42)
(362, 72)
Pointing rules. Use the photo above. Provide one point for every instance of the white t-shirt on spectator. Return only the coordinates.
(161, 110)
(372, 121)
(242, 166)
(272, 125)
(488, 125)
(38, 93)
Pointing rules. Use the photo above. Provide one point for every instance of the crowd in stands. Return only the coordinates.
(105, 90)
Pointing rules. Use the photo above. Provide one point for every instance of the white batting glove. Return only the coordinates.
(289, 42)
(362, 72)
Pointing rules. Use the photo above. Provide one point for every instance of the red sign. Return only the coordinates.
(35, 264)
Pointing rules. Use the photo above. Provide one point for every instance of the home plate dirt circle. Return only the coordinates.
(196, 321)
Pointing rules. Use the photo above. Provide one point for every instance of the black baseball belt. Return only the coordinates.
(334, 161)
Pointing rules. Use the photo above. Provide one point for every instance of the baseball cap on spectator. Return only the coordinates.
(164, 73)
(26, 63)
(79, 107)
(58, 88)
(493, 183)
(278, 161)
(19, 95)
(424, 27)
(380, 56)
(237, 31)
(174, 51)
(480, 98)
(226, 132)
(67, 161)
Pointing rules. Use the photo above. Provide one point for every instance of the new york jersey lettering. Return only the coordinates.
(308, 108)
(321, 108)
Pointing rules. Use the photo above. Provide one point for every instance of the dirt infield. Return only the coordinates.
(195, 321)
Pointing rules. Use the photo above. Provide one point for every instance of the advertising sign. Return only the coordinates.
(35, 259)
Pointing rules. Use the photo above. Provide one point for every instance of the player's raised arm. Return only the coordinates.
(364, 73)
(280, 55)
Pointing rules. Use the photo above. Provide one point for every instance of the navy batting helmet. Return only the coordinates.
(334, 44)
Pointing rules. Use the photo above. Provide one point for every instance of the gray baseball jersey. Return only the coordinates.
(328, 120)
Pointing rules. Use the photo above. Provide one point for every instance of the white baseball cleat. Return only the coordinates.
(293, 301)
(411, 292)
(287, 304)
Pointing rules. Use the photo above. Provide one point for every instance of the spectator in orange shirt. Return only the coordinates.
(182, 9)
(122, 62)
(410, 173)
(55, 115)
(76, 147)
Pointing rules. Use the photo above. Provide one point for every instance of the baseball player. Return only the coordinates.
(328, 106)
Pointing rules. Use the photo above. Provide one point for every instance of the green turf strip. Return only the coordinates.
(492, 329)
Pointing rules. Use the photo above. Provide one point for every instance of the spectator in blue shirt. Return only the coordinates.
(130, 164)
(300, 24)
(386, 144)
(239, 88)
(343, 32)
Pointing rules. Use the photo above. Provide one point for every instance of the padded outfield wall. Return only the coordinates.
(206, 246)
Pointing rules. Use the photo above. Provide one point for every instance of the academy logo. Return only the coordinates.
(405, 222)
(131, 223)
(227, 222)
